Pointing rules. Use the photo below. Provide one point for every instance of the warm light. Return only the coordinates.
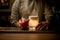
(33, 21)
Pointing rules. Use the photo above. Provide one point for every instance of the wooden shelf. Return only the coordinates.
(5, 10)
(9, 9)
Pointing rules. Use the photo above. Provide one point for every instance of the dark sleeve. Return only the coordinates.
(48, 12)
(49, 16)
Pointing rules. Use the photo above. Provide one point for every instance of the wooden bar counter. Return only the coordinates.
(12, 33)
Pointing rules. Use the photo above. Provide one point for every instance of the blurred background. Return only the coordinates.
(5, 11)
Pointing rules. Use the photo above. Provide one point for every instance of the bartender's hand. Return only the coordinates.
(22, 23)
(42, 26)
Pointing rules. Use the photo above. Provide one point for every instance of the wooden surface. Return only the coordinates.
(15, 34)
(28, 36)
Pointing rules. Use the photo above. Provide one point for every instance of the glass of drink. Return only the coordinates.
(33, 22)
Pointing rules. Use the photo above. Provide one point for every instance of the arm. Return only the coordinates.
(15, 12)
(16, 18)
(49, 16)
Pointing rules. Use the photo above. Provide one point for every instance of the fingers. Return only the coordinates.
(42, 26)
(18, 25)
(38, 26)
